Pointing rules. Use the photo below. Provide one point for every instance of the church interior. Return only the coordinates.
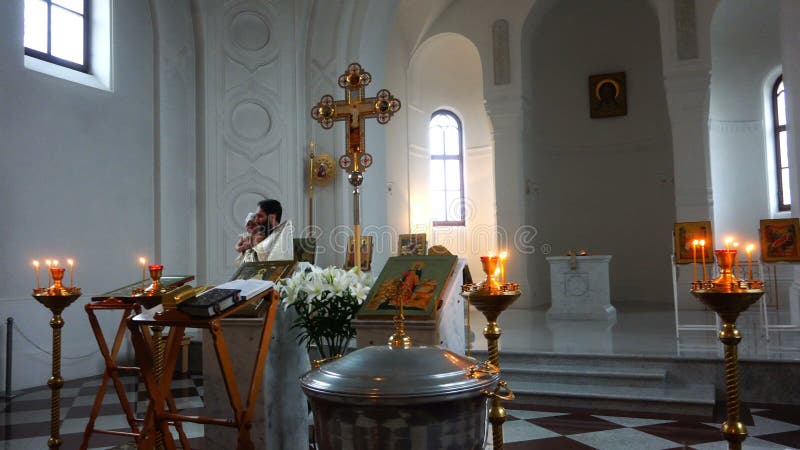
(588, 146)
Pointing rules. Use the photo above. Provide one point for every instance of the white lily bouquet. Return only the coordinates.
(326, 301)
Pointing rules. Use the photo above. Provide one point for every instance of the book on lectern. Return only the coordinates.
(210, 303)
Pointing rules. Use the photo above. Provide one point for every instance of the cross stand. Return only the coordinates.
(122, 299)
(353, 110)
(158, 390)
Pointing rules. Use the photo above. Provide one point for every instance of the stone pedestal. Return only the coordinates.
(579, 288)
(447, 330)
(281, 414)
(582, 336)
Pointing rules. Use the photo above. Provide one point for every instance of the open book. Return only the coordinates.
(247, 288)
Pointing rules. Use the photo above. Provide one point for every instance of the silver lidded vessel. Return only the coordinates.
(400, 397)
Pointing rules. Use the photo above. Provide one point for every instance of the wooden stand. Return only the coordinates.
(122, 300)
(159, 390)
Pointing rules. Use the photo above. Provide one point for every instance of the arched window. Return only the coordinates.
(447, 169)
(57, 31)
(781, 150)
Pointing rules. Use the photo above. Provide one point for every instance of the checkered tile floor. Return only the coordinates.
(25, 423)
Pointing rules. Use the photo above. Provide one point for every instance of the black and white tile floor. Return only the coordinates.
(24, 423)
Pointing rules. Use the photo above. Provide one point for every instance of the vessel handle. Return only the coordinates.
(507, 396)
(484, 367)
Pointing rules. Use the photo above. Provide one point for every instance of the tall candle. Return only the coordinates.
(749, 250)
(71, 265)
(728, 242)
(49, 264)
(735, 259)
(503, 257)
(143, 262)
(36, 269)
(694, 258)
(703, 255)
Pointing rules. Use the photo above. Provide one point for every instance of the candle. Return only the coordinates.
(735, 258)
(36, 270)
(55, 263)
(749, 250)
(694, 257)
(728, 242)
(703, 254)
(71, 265)
(49, 264)
(503, 257)
(143, 262)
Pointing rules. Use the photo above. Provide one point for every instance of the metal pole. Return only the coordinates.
(9, 354)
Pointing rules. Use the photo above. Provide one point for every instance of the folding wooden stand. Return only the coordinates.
(159, 390)
(123, 300)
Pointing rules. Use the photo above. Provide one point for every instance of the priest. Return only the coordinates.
(271, 240)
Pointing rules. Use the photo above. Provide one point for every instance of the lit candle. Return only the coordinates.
(55, 263)
(728, 242)
(49, 264)
(703, 255)
(36, 269)
(749, 250)
(694, 257)
(503, 257)
(143, 262)
(735, 258)
(71, 265)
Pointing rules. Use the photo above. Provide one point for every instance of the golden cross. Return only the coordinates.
(353, 110)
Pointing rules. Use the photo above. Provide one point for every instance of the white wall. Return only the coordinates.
(76, 181)
(745, 44)
(604, 185)
(445, 73)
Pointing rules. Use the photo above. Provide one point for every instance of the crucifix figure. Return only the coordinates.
(352, 111)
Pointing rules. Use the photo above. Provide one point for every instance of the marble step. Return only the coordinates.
(598, 376)
(695, 399)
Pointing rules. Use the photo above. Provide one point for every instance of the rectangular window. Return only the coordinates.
(58, 31)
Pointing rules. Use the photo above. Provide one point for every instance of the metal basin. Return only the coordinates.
(388, 398)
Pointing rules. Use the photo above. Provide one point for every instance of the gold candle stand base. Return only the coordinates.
(492, 298)
(53, 300)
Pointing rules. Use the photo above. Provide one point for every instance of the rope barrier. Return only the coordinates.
(49, 352)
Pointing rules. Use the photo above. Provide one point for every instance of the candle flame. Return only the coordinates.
(695, 242)
(503, 255)
(702, 242)
(749, 248)
(70, 262)
(729, 240)
(48, 262)
(35, 263)
(735, 245)
(142, 261)
(55, 263)
(491, 254)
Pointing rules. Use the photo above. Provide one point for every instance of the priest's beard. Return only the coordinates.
(264, 230)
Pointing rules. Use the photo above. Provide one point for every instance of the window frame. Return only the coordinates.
(460, 158)
(776, 130)
(87, 40)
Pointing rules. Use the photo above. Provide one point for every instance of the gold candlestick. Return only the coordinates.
(728, 297)
(56, 298)
(492, 298)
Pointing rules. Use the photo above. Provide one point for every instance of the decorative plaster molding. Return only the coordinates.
(500, 52)
(479, 151)
(735, 127)
(642, 145)
(418, 151)
(685, 29)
